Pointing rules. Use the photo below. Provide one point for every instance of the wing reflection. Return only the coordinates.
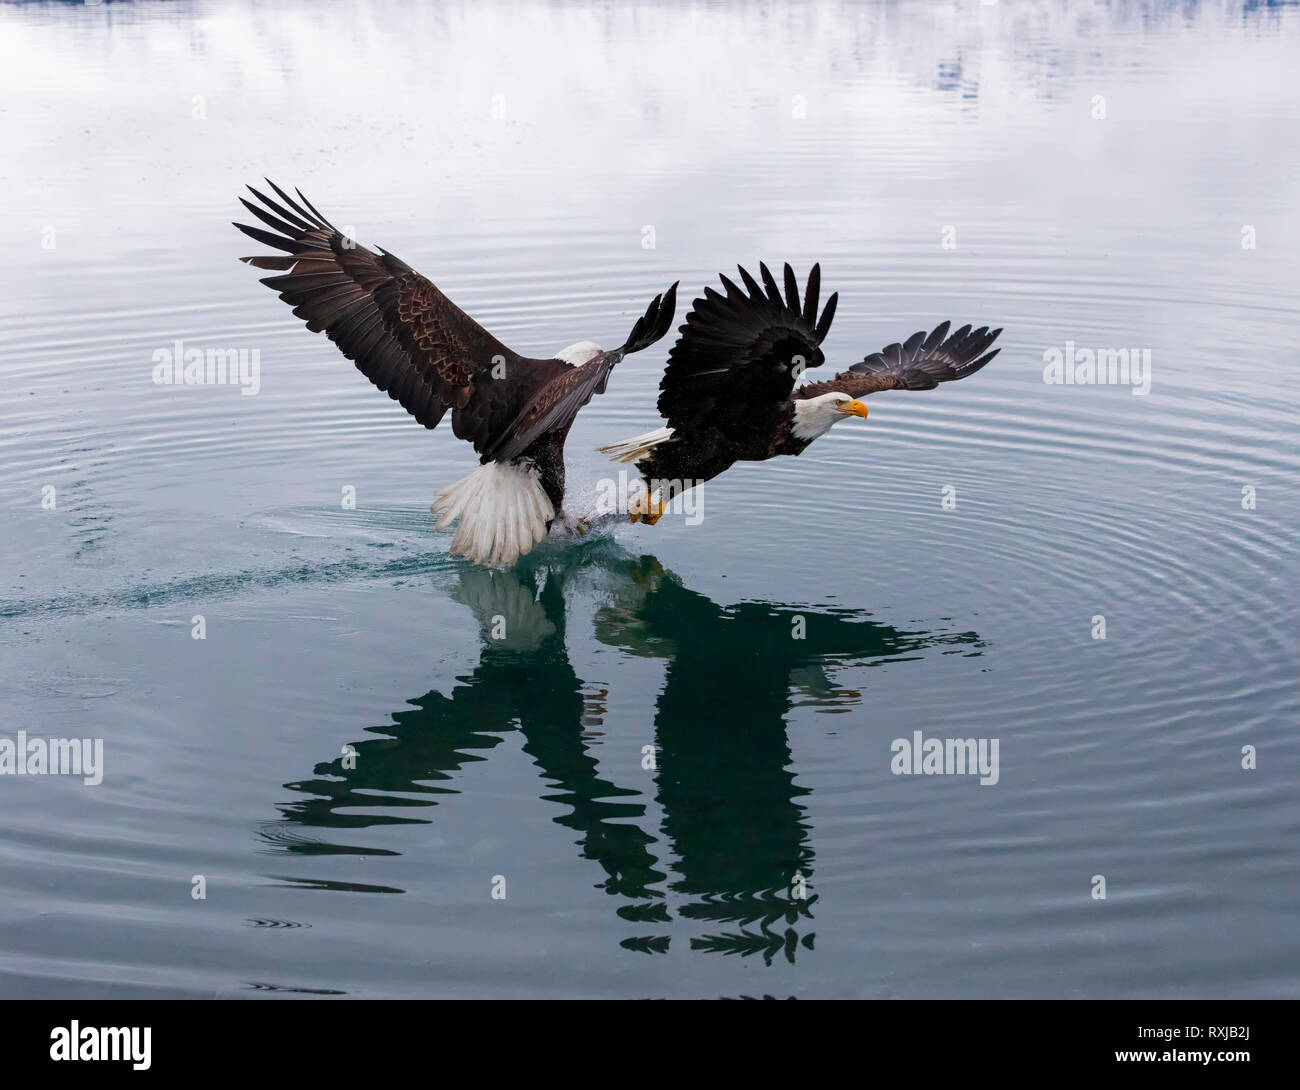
(733, 850)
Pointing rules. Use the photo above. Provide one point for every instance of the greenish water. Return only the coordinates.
(673, 777)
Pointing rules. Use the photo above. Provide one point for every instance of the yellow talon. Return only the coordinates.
(650, 510)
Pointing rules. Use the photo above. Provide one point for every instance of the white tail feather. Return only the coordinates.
(502, 511)
(636, 448)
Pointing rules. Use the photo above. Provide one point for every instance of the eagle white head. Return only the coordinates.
(579, 352)
(816, 416)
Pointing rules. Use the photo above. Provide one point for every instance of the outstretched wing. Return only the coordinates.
(919, 363)
(555, 407)
(401, 331)
(739, 354)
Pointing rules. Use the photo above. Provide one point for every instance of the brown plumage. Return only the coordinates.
(413, 342)
(919, 363)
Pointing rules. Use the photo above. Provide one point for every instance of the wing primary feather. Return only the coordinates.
(668, 311)
(791, 289)
(311, 206)
(824, 323)
(268, 219)
(936, 338)
(270, 262)
(302, 225)
(660, 315)
(297, 208)
(811, 293)
(277, 242)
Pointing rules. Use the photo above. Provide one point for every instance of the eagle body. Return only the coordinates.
(706, 451)
(428, 355)
(546, 457)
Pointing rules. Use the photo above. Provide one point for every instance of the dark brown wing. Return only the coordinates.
(554, 408)
(401, 331)
(920, 363)
(738, 355)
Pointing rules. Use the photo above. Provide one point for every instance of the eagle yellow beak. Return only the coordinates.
(854, 408)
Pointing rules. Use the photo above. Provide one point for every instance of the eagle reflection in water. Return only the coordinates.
(733, 852)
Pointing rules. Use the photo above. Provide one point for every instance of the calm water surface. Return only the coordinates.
(353, 765)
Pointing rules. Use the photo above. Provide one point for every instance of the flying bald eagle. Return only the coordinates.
(728, 393)
(409, 339)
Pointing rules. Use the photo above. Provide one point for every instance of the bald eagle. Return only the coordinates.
(409, 339)
(728, 393)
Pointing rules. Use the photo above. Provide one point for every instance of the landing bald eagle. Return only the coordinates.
(728, 392)
(409, 339)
